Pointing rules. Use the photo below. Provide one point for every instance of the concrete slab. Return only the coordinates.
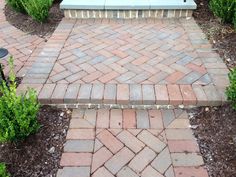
(83, 4)
(127, 4)
(172, 4)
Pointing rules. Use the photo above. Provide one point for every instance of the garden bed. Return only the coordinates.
(28, 25)
(39, 154)
(214, 127)
(215, 131)
(222, 36)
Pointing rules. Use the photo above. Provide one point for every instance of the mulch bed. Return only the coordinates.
(222, 36)
(215, 130)
(215, 127)
(39, 155)
(28, 25)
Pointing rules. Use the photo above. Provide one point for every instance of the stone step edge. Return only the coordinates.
(127, 94)
(114, 4)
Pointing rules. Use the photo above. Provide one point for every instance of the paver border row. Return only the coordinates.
(125, 94)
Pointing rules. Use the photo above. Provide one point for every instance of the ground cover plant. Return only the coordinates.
(3, 170)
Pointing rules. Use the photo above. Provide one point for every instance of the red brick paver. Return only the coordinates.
(129, 151)
(22, 46)
(130, 62)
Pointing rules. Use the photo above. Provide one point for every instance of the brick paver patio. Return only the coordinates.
(129, 142)
(24, 47)
(129, 62)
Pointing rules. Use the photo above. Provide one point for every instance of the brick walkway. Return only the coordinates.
(129, 142)
(24, 47)
(129, 62)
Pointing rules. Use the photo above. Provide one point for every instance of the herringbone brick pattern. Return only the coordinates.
(130, 52)
(23, 47)
(129, 142)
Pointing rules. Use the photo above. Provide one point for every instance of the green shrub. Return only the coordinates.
(231, 90)
(235, 20)
(225, 9)
(3, 170)
(38, 9)
(16, 4)
(18, 113)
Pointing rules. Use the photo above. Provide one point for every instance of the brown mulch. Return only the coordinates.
(215, 127)
(28, 25)
(39, 155)
(215, 130)
(222, 36)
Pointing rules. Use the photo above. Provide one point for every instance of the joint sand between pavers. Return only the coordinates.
(130, 142)
(149, 61)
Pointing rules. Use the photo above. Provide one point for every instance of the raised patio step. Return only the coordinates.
(126, 94)
(125, 9)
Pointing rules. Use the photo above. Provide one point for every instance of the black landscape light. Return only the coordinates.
(3, 53)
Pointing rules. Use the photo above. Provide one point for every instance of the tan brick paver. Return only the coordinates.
(164, 61)
(22, 46)
(168, 151)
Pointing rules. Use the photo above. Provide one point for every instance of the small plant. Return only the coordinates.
(224, 9)
(231, 90)
(3, 170)
(16, 4)
(18, 113)
(38, 9)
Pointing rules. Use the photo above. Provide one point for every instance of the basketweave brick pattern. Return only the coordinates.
(142, 61)
(23, 47)
(130, 142)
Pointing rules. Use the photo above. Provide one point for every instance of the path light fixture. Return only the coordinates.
(3, 53)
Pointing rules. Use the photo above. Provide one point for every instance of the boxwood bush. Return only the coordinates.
(231, 90)
(16, 4)
(18, 113)
(3, 170)
(224, 9)
(38, 9)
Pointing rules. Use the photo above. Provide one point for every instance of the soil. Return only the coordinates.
(215, 130)
(222, 36)
(28, 25)
(215, 127)
(39, 155)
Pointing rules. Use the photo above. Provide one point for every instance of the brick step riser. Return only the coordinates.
(127, 14)
(125, 94)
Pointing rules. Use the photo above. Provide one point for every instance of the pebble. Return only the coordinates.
(51, 150)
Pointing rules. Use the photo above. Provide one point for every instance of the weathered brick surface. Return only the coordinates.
(76, 159)
(138, 66)
(162, 151)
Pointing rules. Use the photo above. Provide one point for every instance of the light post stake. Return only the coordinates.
(3, 53)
